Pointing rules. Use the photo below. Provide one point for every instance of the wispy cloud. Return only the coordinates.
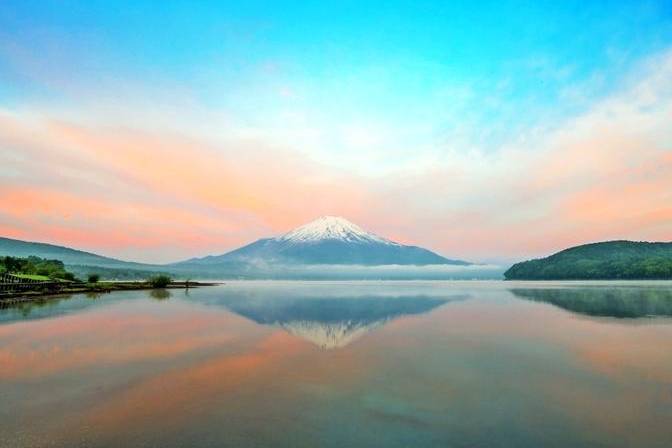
(139, 173)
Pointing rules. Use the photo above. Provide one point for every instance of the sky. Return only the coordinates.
(487, 131)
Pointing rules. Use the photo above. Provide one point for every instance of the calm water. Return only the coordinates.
(463, 364)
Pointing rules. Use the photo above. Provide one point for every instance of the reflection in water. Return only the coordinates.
(218, 367)
(159, 294)
(332, 322)
(47, 307)
(65, 304)
(621, 302)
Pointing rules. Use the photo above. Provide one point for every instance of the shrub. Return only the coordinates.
(93, 278)
(160, 281)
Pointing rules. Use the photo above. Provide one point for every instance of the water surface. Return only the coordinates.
(334, 364)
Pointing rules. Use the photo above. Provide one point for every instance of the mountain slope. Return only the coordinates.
(71, 257)
(605, 261)
(328, 240)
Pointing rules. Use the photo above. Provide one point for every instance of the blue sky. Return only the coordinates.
(422, 64)
(381, 91)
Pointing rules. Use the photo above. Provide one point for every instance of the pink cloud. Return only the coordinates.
(602, 175)
(104, 188)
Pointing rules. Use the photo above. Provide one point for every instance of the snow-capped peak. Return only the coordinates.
(332, 228)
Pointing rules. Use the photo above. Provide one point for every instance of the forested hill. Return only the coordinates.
(609, 260)
(18, 248)
(79, 262)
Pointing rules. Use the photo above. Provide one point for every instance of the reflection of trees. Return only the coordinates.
(624, 302)
(52, 306)
(25, 308)
(159, 294)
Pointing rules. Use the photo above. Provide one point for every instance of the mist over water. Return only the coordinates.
(334, 364)
(260, 270)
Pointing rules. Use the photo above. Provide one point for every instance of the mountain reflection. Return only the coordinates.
(622, 302)
(331, 322)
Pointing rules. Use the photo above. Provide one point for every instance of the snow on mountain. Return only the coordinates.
(328, 240)
(335, 228)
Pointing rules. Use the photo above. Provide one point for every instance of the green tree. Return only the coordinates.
(608, 260)
(69, 276)
(93, 278)
(160, 281)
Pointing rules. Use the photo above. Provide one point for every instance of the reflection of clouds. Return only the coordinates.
(606, 376)
(618, 348)
(162, 398)
(164, 374)
(49, 346)
(630, 365)
(627, 351)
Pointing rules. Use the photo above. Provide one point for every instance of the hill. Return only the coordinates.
(18, 248)
(611, 260)
(77, 261)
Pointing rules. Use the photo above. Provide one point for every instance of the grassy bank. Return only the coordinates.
(41, 291)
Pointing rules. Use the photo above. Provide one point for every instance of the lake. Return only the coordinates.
(342, 364)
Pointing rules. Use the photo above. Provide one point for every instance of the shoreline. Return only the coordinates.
(101, 287)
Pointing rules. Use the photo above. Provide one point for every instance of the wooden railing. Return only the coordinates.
(11, 283)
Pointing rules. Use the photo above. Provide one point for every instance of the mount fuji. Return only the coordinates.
(328, 240)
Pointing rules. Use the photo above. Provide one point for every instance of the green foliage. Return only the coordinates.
(31, 276)
(69, 276)
(93, 278)
(613, 260)
(160, 281)
(35, 266)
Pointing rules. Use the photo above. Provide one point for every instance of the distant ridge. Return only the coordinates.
(79, 262)
(610, 260)
(328, 240)
(18, 248)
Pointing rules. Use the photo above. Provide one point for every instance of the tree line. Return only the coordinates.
(54, 269)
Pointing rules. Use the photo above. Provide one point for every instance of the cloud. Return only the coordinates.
(128, 188)
(157, 193)
(605, 174)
